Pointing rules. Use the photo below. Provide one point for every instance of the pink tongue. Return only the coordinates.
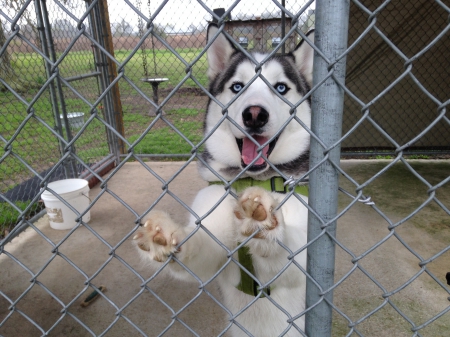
(249, 150)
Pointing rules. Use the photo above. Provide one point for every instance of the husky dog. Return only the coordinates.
(261, 283)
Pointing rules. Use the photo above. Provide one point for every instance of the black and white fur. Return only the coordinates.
(261, 114)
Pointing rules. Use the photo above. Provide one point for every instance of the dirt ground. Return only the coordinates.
(70, 264)
(422, 237)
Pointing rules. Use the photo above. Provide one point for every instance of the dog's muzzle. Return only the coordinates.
(254, 119)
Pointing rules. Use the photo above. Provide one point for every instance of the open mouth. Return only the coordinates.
(249, 151)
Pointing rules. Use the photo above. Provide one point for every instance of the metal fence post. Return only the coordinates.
(113, 105)
(327, 106)
(52, 52)
(55, 89)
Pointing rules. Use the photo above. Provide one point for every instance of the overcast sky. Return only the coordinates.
(182, 13)
(179, 14)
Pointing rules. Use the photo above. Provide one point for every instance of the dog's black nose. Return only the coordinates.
(255, 117)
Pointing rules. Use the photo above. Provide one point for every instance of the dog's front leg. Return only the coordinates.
(202, 252)
(160, 237)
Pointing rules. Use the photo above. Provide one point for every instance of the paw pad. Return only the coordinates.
(254, 209)
(160, 239)
(157, 237)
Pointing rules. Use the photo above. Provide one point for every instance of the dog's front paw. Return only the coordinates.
(255, 211)
(158, 237)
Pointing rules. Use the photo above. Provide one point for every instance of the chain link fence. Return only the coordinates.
(87, 87)
(406, 109)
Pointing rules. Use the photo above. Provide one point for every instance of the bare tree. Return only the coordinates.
(63, 28)
(202, 27)
(122, 28)
(192, 29)
(6, 70)
(29, 31)
(16, 6)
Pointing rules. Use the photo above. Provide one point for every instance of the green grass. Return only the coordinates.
(384, 157)
(92, 145)
(410, 156)
(31, 69)
(165, 140)
(418, 156)
(167, 65)
(38, 147)
(160, 140)
(35, 143)
(183, 112)
(9, 215)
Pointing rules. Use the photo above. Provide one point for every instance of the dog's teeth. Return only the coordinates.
(174, 242)
(136, 237)
(158, 229)
(256, 199)
(146, 224)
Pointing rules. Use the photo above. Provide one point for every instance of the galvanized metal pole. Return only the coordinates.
(47, 49)
(331, 30)
(71, 163)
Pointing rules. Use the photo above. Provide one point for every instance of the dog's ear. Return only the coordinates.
(304, 55)
(219, 53)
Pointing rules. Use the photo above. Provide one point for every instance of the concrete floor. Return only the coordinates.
(114, 263)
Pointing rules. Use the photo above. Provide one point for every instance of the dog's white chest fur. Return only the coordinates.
(232, 222)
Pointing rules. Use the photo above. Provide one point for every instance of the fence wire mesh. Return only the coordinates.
(88, 87)
(399, 35)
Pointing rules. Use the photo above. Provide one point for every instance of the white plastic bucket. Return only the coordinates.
(76, 193)
(76, 119)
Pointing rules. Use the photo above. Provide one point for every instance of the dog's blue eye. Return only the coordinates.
(281, 88)
(236, 87)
